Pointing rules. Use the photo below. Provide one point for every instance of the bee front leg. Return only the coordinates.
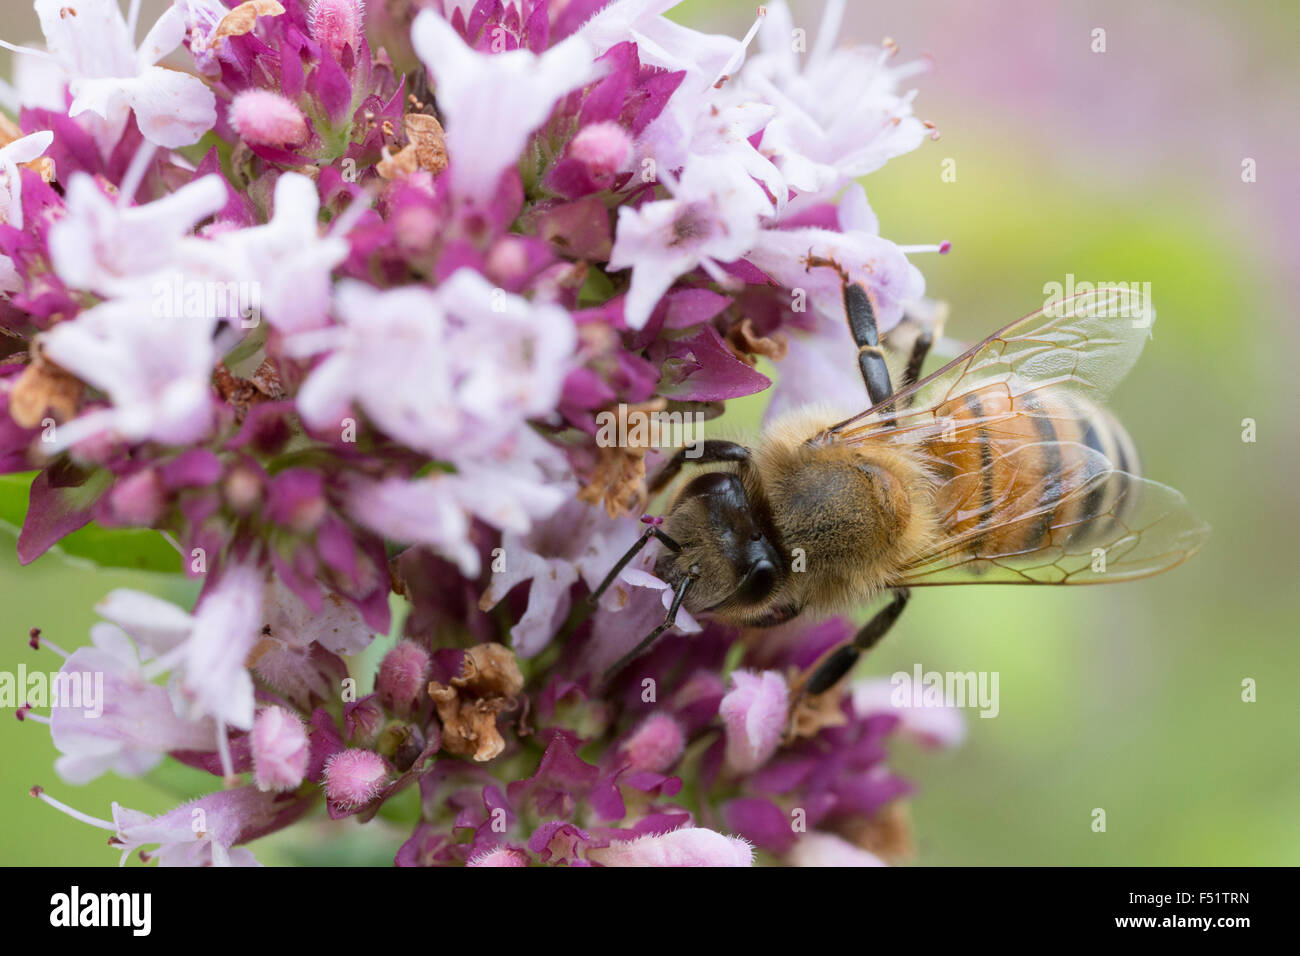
(653, 531)
(841, 660)
(705, 453)
(669, 620)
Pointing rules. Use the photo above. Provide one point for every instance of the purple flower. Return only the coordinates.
(353, 366)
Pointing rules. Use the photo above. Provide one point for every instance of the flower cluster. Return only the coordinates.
(338, 320)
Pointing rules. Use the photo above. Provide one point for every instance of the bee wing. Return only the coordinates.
(1016, 504)
(1144, 527)
(1082, 345)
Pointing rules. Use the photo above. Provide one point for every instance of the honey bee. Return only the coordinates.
(1002, 467)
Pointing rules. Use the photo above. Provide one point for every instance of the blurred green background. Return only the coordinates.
(1124, 165)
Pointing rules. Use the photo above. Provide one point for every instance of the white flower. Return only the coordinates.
(827, 849)
(660, 42)
(137, 724)
(510, 490)
(94, 48)
(840, 116)
(493, 102)
(452, 372)
(288, 258)
(22, 150)
(713, 217)
(109, 247)
(867, 258)
(154, 366)
(206, 650)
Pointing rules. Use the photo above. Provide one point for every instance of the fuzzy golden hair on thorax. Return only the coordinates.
(848, 516)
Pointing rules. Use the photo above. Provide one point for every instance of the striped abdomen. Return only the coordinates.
(1008, 467)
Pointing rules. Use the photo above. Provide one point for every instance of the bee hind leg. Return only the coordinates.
(840, 661)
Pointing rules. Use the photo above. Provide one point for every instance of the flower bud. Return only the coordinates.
(296, 499)
(499, 856)
(402, 744)
(136, 499)
(403, 677)
(604, 148)
(354, 777)
(364, 720)
(243, 489)
(690, 846)
(280, 750)
(754, 713)
(338, 23)
(656, 745)
(264, 118)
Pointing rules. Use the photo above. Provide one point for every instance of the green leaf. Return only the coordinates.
(141, 549)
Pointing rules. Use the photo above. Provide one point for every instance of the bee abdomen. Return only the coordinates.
(1021, 455)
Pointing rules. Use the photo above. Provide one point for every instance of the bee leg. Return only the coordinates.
(709, 452)
(871, 360)
(653, 531)
(920, 349)
(669, 620)
(842, 659)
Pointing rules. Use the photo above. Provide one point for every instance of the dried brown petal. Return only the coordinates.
(747, 345)
(424, 132)
(44, 387)
(811, 713)
(243, 18)
(490, 670)
(468, 706)
(619, 479)
(887, 834)
(399, 164)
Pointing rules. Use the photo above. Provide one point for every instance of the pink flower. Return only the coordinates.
(265, 118)
(690, 846)
(208, 648)
(354, 777)
(109, 245)
(655, 745)
(288, 259)
(201, 832)
(499, 856)
(336, 24)
(403, 676)
(712, 218)
(754, 713)
(280, 750)
(604, 148)
(155, 370)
